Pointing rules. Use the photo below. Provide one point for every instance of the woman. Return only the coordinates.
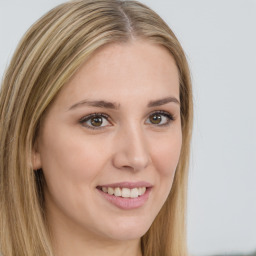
(96, 116)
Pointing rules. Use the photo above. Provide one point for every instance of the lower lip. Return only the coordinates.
(126, 203)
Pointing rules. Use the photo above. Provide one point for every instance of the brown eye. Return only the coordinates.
(96, 121)
(160, 118)
(155, 119)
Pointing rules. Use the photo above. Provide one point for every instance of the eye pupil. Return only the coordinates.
(156, 119)
(96, 121)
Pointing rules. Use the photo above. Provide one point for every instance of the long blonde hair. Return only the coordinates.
(49, 54)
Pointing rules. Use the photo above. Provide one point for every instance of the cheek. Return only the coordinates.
(166, 155)
(67, 158)
(71, 165)
(165, 158)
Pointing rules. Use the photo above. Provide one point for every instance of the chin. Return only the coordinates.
(129, 231)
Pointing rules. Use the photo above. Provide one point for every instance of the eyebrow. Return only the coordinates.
(116, 106)
(96, 103)
(160, 102)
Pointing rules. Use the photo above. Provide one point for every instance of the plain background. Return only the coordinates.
(219, 38)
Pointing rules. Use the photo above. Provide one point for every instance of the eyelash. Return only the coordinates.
(105, 116)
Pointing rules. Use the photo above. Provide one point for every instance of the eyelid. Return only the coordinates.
(93, 115)
(162, 112)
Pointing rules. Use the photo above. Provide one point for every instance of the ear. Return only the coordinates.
(36, 158)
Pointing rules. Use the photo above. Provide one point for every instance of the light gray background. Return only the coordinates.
(219, 38)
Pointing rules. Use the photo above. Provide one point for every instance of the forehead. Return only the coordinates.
(124, 70)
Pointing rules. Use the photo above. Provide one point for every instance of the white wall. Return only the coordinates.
(219, 38)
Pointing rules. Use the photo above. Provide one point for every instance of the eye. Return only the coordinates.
(160, 118)
(95, 121)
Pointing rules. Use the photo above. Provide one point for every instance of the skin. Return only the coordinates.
(128, 147)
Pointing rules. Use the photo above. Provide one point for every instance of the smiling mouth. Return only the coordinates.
(124, 192)
(126, 195)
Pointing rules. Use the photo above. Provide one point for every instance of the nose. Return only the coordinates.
(131, 150)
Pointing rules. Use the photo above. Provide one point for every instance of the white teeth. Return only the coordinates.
(110, 191)
(118, 192)
(134, 192)
(125, 192)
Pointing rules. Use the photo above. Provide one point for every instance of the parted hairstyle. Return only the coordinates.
(47, 57)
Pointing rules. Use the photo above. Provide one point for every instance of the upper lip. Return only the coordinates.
(127, 184)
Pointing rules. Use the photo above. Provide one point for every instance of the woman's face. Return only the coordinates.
(114, 128)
